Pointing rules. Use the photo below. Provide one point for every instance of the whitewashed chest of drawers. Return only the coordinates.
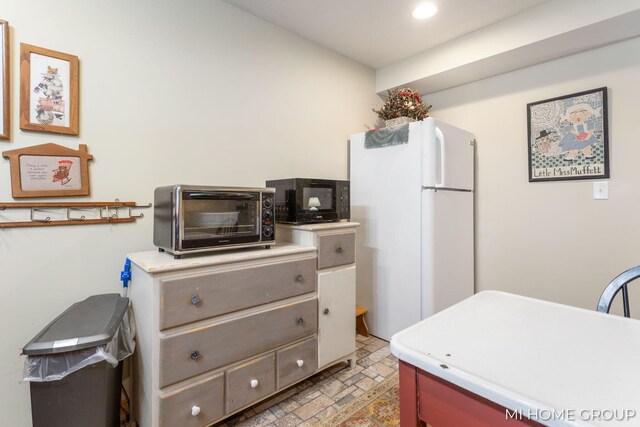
(218, 333)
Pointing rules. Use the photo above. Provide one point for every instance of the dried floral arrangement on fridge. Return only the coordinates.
(403, 103)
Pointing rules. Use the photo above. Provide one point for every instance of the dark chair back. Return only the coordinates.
(617, 284)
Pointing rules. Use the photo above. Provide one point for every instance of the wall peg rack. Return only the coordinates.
(42, 214)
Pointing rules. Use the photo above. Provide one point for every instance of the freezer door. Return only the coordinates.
(385, 200)
(447, 156)
(447, 249)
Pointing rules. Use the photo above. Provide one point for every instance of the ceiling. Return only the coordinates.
(380, 32)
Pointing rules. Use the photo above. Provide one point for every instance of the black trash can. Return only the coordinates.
(71, 365)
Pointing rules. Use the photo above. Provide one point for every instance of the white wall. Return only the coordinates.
(551, 240)
(171, 92)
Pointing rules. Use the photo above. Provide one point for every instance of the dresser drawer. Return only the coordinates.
(188, 299)
(196, 405)
(250, 382)
(199, 350)
(296, 362)
(336, 249)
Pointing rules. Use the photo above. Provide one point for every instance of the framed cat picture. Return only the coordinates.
(48, 91)
(5, 115)
(568, 137)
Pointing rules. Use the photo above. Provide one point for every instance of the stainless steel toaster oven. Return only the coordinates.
(190, 219)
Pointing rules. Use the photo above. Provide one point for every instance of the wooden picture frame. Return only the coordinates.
(48, 91)
(5, 104)
(49, 170)
(568, 137)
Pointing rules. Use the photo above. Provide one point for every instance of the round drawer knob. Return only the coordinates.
(300, 321)
(195, 355)
(299, 278)
(195, 300)
(326, 311)
(254, 383)
(195, 411)
(300, 363)
(339, 249)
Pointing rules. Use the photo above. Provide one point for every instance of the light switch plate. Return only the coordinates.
(601, 190)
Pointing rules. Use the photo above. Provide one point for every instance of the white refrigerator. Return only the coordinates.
(415, 245)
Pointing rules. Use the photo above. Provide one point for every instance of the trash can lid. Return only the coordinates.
(85, 324)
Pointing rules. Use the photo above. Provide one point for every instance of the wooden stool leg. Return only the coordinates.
(361, 326)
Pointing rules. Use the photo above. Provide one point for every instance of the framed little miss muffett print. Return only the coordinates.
(48, 90)
(568, 137)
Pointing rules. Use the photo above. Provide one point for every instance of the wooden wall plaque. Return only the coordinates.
(49, 170)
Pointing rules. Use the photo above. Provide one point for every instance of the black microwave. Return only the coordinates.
(305, 200)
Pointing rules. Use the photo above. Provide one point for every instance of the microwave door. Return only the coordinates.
(316, 202)
(318, 198)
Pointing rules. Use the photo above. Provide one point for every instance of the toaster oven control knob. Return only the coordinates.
(266, 202)
(267, 231)
(267, 214)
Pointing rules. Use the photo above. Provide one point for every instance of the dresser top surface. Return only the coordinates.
(155, 262)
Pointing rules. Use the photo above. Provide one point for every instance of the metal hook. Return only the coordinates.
(141, 215)
(109, 216)
(33, 218)
(131, 215)
(69, 210)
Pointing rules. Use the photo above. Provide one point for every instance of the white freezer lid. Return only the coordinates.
(530, 354)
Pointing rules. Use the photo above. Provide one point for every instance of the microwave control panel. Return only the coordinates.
(343, 203)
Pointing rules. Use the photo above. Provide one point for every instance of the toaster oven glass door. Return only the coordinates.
(219, 218)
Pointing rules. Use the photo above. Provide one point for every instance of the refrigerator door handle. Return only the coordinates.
(443, 172)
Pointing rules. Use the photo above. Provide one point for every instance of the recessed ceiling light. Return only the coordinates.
(424, 11)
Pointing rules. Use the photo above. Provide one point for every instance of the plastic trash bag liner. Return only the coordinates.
(54, 367)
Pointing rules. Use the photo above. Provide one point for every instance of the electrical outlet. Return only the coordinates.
(601, 190)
